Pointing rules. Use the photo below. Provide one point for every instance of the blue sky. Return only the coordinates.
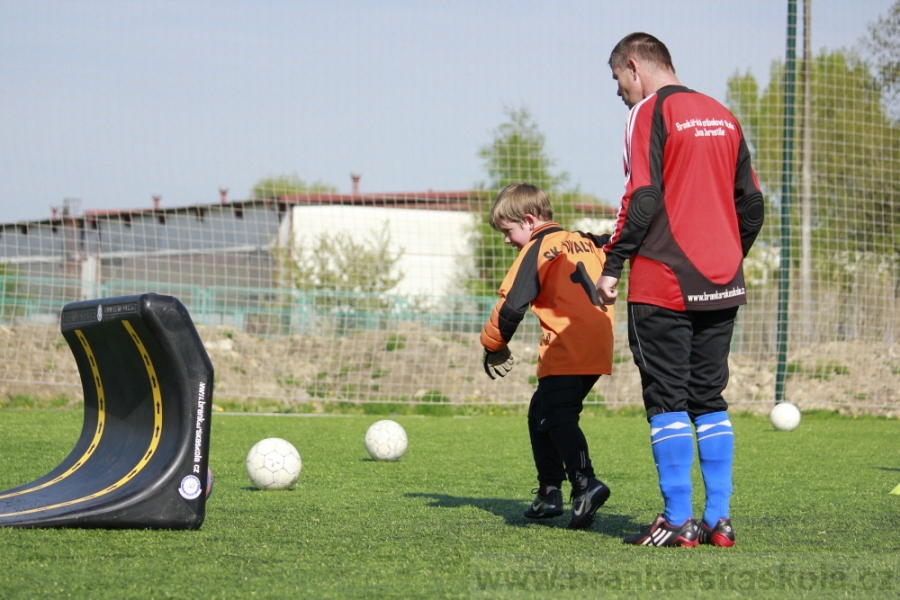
(113, 102)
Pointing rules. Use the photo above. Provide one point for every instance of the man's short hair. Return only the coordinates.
(640, 46)
(517, 200)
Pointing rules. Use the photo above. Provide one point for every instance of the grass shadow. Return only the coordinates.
(606, 523)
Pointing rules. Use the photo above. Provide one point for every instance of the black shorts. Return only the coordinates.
(682, 357)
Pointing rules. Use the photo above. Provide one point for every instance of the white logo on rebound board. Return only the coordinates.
(99, 312)
(190, 487)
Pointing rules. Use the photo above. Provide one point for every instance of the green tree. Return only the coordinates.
(340, 262)
(883, 44)
(854, 189)
(855, 152)
(517, 153)
(276, 187)
(343, 274)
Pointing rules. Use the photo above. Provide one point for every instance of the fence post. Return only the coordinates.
(786, 184)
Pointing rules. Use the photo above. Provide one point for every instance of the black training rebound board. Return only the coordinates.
(141, 460)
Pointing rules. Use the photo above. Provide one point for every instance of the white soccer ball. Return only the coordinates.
(273, 464)
(386, 440)
(785, 416)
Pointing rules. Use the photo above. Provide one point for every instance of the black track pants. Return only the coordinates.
(557, 442)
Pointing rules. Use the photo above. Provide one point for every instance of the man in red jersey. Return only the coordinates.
(691, 210)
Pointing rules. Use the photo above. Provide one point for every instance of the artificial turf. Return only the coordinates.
(811, 509)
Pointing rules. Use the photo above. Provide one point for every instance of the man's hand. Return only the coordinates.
(498, 364)
(606, 289)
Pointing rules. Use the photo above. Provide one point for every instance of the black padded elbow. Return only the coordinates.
(751, 211)
(643, 206)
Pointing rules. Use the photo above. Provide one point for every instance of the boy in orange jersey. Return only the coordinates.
(554, 274)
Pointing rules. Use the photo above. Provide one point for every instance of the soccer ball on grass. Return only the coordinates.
(273, 464)
(785, 416)
(386, 440)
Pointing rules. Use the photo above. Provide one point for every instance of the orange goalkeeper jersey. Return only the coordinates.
(555, 273)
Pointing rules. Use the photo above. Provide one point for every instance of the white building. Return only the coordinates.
(430, 232)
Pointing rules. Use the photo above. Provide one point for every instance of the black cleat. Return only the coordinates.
(545, 505)
(722, 535)
(586, 504)
(660, 533)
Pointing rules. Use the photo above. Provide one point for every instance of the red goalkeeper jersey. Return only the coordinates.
(692, 205)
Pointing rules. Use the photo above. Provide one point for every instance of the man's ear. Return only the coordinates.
(633, 68)
(529, 221)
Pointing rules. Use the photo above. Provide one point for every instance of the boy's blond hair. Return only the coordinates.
(517, 200)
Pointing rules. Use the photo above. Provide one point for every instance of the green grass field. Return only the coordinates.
(812, 512)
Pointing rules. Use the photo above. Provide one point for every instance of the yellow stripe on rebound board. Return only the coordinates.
(154, 440)
(98, 432)
(157, 398)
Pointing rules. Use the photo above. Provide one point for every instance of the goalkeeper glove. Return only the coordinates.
(498, 364)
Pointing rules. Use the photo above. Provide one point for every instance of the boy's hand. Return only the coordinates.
(498, 364)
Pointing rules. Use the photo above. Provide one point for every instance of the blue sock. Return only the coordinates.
(715, 445)
(672, 442)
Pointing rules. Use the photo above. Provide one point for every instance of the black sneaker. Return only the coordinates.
(545, 505)
(660, 533)
(585, 504)
(721, 535)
